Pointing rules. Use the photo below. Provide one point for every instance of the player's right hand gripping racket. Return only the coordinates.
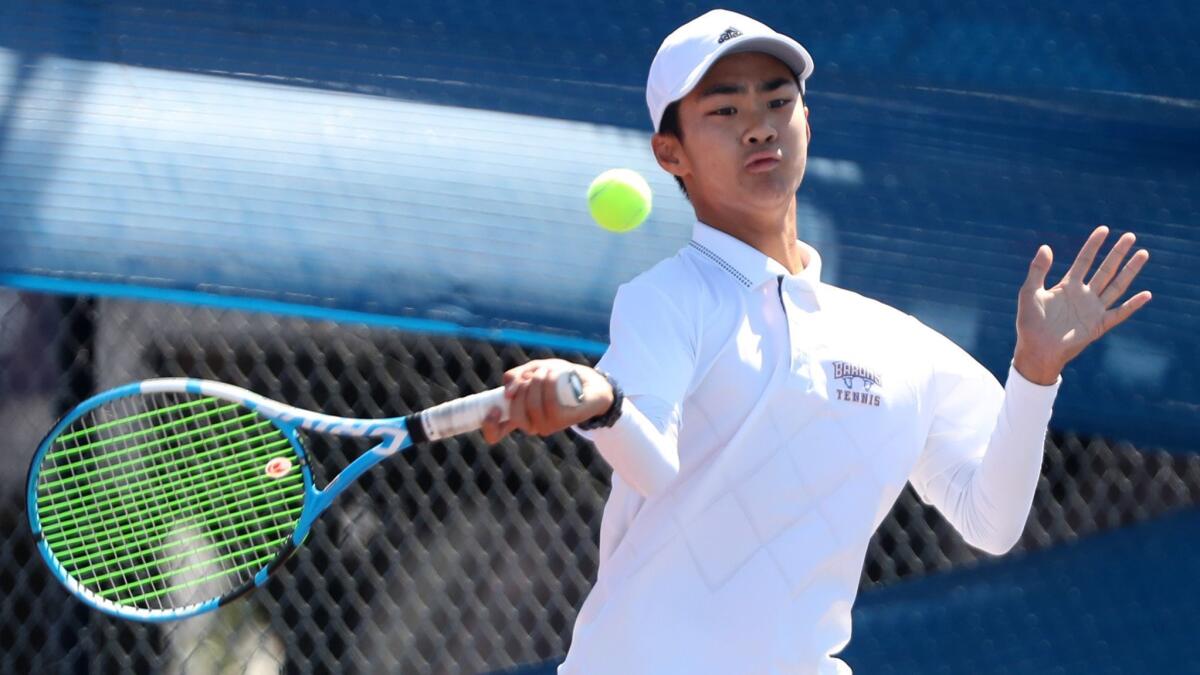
(166, 498)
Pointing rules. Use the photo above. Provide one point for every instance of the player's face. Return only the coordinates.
(745, 134)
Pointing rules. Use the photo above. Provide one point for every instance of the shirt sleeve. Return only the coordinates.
(983, 455)
(652, 356)
(642, 447)
(652, 344)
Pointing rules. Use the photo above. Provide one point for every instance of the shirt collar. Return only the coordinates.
(749, 266)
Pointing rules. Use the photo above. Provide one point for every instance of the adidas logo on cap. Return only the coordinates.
(729, 34)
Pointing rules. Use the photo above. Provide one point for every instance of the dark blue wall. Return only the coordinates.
(1118, 602)
(955, 138)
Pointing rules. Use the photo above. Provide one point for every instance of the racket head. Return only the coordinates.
(155, 502)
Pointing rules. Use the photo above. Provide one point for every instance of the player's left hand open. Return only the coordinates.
(1054, 325)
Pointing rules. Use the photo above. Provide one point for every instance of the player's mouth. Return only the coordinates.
(761, 162)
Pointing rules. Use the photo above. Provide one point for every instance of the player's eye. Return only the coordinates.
(724, 112)
(780, 102)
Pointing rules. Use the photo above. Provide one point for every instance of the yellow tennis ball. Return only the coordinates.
(619, 199)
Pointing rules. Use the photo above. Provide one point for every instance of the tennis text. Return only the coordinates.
(865, 398)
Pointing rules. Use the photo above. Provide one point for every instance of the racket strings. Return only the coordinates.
(79, 548)
(227, 541)
(64, 489)
(152, 519)
(146, 502)
(161, 501)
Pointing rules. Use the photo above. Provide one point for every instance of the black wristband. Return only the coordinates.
(608, 417)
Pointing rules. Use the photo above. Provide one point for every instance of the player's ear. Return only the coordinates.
(668, 151)
(807, 125)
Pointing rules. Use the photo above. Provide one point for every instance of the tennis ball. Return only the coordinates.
(619, 199)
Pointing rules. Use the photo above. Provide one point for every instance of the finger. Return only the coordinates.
(501, 430)
(520, 372)
(551, 408)
(533, 406)
(517, 417)
(492, 427)
(1117, 288)
(1114, 317)
(1083, 261)
(1038, 268)
(511, 376)
(1108, 268)
(514, 376)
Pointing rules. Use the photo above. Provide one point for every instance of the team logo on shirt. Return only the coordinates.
(851, 375)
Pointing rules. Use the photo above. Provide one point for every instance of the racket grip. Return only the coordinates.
(467, 413)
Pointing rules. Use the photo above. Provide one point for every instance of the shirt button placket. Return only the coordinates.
(799, 335)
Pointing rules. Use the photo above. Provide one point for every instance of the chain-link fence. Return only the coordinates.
(452, 558)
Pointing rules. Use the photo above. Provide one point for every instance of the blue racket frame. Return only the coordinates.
(392, 432)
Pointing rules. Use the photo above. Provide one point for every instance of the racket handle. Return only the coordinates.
(467, 413)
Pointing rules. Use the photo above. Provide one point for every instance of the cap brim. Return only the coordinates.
(790, 52)
(785, 49)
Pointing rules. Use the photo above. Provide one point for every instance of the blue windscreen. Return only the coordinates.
(428, 160)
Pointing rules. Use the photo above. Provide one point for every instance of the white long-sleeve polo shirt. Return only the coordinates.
(772, 421)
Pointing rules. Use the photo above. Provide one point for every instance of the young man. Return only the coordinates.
(769, 420)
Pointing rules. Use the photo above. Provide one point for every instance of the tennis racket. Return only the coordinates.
(166, 498)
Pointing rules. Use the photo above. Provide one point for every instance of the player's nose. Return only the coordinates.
(760, 134)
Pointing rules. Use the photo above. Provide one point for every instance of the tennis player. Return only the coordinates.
(761, 422)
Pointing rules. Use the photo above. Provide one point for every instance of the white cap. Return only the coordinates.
(691, 50)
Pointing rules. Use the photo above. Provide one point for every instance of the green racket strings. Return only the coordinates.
(162, 501)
